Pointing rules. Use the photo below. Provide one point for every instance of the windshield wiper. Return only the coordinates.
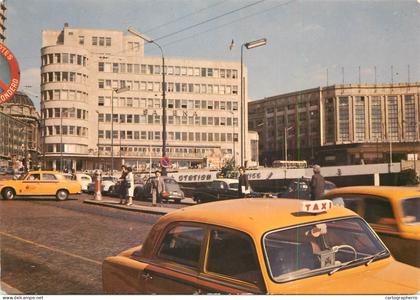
(369, 258)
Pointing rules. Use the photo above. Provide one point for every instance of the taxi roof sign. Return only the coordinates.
(316, 207)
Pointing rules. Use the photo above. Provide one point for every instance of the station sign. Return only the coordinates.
(9, 74)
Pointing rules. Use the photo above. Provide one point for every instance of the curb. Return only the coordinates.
(9, 290)
(134, 207)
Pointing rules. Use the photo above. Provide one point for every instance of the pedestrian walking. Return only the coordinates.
(317, 184)
(158, 187)
(73, 174)
(122, 191)
(243, 185)
(130, 185)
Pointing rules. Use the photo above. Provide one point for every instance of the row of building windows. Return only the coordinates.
(176, 87)
(72, 95)
(170, 70)
(171, 103)
(66, 130)
(172, 120)
(171, 136)
(63, 77)
(101, 41)
(155, 150)
(66, 113)
(66, 148)
(64, 58)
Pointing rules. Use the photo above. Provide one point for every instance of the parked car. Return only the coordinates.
(300, 189)
(259, 246)
(107, 182)
(83, 179)
(393, 212)
(172, 190)
(114, 190)
(39, 183)
(221, 189)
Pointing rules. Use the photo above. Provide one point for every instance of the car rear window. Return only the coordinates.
(411, 210)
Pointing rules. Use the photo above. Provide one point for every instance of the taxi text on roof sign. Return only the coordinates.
(316, 206)
(9, 74)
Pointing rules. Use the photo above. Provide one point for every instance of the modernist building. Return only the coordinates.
(2, 20)
(339, 124)
(19, 132)
(81, 72)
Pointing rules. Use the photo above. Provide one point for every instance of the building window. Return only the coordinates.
(81, 40)
(101, 67)
(376, 118)
(94, 41)
(108, 42)
(343, 114)
(409, 122)
(329, 120)
(392, 118)
(360, 118)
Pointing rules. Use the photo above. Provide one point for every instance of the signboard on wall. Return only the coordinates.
(9, 74)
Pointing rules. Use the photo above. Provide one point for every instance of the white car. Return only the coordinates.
(84, 180)
(107, 182)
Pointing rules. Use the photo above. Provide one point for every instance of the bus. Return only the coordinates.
(290, 164)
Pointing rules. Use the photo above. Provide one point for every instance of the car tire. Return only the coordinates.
(62, 195)
(197, 199)
(8, 194)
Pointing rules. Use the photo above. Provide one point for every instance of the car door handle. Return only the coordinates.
(146, 276)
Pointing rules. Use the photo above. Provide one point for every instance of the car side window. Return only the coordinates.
(34, 177)
(233, 254)
(378, 211)
(48, 177)
(182, 244)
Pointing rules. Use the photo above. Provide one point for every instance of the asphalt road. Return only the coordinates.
(50, 247)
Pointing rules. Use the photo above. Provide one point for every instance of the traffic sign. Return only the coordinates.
(165, 162)
(9, 74)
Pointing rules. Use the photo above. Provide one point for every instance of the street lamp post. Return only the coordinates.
(97, 112)
(286, 130)
(148, 40)
(116, 90)
(248, 45)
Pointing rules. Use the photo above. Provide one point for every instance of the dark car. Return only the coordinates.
(300, 189)
(114, 190)
(172, 190)
(221, 189)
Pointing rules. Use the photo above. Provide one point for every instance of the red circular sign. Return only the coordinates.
(9, 74)
(165, 162)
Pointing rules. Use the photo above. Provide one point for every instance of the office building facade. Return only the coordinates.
(80, 74)
(339, 124)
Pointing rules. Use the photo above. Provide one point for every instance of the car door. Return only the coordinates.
(231, 264)
(174, 266)
(49, 184)
(31, 185)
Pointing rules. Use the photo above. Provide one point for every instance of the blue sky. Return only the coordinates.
(305, 38)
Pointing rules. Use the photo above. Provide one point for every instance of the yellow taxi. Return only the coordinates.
(393, 212)
(260, 246)
(39, 183)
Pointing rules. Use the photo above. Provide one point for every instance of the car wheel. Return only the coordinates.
(62, 195)
(197, 199)
(8, 194)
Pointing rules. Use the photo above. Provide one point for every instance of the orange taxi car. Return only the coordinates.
(39, 183)
(265, 247)
(393, 212)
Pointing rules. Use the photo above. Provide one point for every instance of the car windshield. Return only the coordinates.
(320, 248)
(411, 210)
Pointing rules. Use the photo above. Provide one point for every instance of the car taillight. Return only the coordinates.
(165, 194)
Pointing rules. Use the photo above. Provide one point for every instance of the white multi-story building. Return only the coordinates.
(81, 72)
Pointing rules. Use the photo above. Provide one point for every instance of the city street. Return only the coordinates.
(51, 247)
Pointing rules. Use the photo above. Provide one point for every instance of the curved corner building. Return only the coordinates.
(81, 72)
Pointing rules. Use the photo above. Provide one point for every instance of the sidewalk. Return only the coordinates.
(158, 210)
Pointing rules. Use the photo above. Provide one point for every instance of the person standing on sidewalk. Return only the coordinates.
(158, 187)
(122, 191)
(317, 184)
(130, 185)
(243, 183)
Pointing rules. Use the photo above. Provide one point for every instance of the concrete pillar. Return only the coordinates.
(376, 179)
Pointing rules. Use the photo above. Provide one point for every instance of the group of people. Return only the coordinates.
(126, 185)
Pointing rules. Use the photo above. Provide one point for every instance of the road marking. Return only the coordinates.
(51, 249)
